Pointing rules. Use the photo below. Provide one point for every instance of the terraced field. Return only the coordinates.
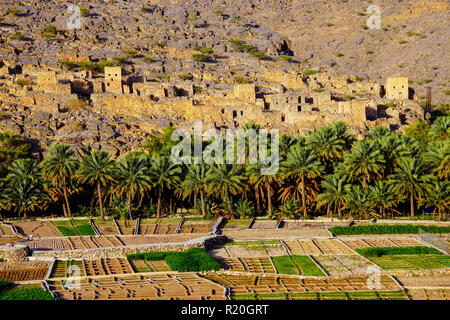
(149, 266)
(261, 284)
(413, 261)
(23, 271)
(107, 266)
(359, 295)
(361, 243)
(138, 287)
(106, 227)
(5, 231)
(343, 265)
(74, 227)
(37, 229)
(249, 264)
(301, 265)
(126, 227)
(317, 247)
(429, 294)
(67, 268)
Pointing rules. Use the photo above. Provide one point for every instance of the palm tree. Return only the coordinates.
(357, 200)
(244, 208)
(438, 197)
(438, 158)
(333, 194)
(60, 168)
(3, 203)
(382, 196)
(410, 179)
(24, 196)
(302, 163)
(392, 148)
(364, 161)
(261, 182)
(327, 145)
(290, 208)
(440, 129)
(97, 169)
(195, 181)
(164, 175)
(23, 169)
(226, 180)
(378, 132)
(132, 178)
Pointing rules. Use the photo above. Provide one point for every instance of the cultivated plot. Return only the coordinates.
(23, 271)
(149, 266)
(362, 243)
(343, 265)
(317, 247)
(249, 284)
(74, 227)
(106, 227)
(301, 265)
(37, 229)
(67, 268)
(186, 286)
(413, 261)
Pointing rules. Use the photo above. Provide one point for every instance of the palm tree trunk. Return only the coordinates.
(99, 191)
(140, 201)
(258, 202)
(269, 199)
(129, 205)
(412, 203)
(229, 205)
(66, 198)
(158, 208)
(195, 199)
(202, 199)
(303, 196)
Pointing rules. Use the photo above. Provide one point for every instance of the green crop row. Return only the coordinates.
(387, 229)
(195, 259)
(378, 252)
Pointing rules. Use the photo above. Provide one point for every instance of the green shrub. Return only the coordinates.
(339, 54)
(240, 80)
(13, 11)
(17, 36)
(318, 89)
(372, 252)
(85, 12)
(201, 57)
(198, 89)
(258, 54)
(69, 65)
(24, 82)
(206, 50)
(131, 52)
(148, 59)
(186, 76)
(146, 10)
(387, 229)
(51, 29)
(309, 72)
(285, 58)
